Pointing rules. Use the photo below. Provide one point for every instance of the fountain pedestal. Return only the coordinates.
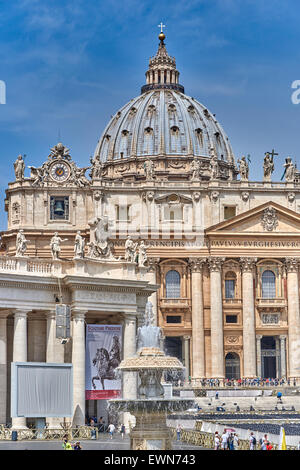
(151, 408)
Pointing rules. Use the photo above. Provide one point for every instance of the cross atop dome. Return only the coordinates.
(162, 71)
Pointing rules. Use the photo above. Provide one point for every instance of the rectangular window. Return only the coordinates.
(173, 319)
(59, 208)
(231, 319)
(123, 213)
(229, 288)
(229, 211)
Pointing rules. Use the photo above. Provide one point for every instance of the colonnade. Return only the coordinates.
(55, 353)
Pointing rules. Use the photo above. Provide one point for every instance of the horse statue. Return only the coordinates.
(106, 363)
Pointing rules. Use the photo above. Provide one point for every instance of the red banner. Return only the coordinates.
(102, 394)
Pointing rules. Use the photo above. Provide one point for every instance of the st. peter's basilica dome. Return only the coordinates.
(163, 121)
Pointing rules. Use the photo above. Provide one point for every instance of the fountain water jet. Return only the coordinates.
(150, 408)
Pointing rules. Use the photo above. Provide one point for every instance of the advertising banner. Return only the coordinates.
(103, 355)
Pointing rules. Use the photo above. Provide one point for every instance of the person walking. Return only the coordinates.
(66, 444)
(111, 430)
(77, 446)
(236, 442)
(252, 441)
(178, 431)
(224, 440)
(217, 441)
(123, 430)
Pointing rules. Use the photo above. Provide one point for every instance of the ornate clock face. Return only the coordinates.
(60, 171)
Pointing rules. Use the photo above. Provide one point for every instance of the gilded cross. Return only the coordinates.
(161, 26)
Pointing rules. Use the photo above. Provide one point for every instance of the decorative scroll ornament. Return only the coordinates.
(269, 219)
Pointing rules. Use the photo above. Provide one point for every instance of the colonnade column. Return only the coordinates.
(129, 385)
(78, 361)
(216, 318)
(198, 346)
(283, 355)
(20, 351)
(3, 366)
(293, 316)
(54, 353)
(258, 355)
(248, 265)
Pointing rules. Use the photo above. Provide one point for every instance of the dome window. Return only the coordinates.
(125, 132)
(199, 135)
(206, 114)
(191, 108)
(133, 111)
(175, 130)
(107, 137)
(148, 130)
(172, 108)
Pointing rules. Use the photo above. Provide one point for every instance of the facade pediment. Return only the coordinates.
(267, 219)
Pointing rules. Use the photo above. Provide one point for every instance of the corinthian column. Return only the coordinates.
(293, 316)
(78, 361)
(198, 349)
(20, 351)
(248, 265)
(216, 318)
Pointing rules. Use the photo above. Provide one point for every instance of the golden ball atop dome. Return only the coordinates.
(161, 36)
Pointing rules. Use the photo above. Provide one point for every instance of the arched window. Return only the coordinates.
(268, 285)
(230, 282)
(172, 285)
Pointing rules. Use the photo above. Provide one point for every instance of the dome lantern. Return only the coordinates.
(162, 71)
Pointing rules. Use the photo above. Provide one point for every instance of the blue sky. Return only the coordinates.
(69, 65)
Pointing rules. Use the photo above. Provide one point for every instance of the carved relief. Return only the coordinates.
(16, 213)
(269, 219)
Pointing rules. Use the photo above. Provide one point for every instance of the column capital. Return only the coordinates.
(215, 263)
(21, 313)
(186, 337)
(258, 337)
(282, 337)
(248, 264)
(196, 264)
(78, 315)
(291, 265)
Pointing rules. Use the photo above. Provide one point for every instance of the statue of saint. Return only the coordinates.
(79, 246)
(97, 167)
(142, 250)
(268, 166)
(55, 245)
(19, 167)
(149, 169)
(289, 170)
(214, 167)
(130, 250)
(195, 167)
(244, 168)
(21, 243)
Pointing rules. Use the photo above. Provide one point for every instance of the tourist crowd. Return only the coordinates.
(229, 440)
(241, 382)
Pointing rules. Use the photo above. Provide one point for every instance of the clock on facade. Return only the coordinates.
(60, 171)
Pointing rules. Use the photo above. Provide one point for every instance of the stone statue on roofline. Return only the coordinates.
(79, 246)
(21, 243)
(19, 167)
(243, 168)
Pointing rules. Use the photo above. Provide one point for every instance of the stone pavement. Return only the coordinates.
(103, 443)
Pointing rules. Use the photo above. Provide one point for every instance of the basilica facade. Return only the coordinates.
(164, 212)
